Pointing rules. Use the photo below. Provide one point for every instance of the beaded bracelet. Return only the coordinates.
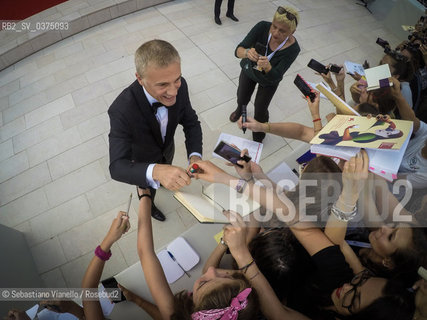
(268, 126)
(101, 254)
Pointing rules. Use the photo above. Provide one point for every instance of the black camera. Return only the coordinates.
(384, 44)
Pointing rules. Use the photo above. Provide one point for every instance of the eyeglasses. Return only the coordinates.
(290, 16)
(351, 296)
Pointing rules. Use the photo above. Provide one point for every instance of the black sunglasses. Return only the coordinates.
(290, 16)
(356, 282)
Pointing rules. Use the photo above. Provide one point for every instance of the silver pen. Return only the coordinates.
(130, 200)
(174, 259)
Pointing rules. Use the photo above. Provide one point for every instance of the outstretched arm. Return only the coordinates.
(405, 110)
(271, 307)
(120, 225)
(215, 257)
(289, 130)
(145, 305)
(151, 266)
(354, 176)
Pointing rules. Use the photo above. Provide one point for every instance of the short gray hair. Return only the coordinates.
(159, 52)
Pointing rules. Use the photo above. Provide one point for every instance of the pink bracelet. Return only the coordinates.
(101, 254)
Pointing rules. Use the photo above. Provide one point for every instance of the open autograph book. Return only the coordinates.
(206, 203)
(353, 131)
(385, 142)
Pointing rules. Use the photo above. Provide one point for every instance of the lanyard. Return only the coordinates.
(277, 49)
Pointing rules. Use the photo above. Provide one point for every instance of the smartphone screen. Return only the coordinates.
(229, 153)
(305, 89)
(111, 283)
(317, 66)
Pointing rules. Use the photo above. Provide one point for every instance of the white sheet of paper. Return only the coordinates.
(283, 172)
(106, 305)
(31, 313)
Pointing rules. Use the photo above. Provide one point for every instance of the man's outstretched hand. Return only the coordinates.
(171, 177)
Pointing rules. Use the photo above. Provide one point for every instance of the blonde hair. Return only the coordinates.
(157, 52)
(282, 18)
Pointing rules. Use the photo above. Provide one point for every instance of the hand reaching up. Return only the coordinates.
(354, 175)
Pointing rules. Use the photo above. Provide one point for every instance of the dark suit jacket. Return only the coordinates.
(135, 138)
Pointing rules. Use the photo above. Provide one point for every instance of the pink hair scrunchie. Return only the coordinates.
(238, 303)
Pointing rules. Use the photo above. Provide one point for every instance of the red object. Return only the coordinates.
(318, 119)
(195, 166)
(22, 9)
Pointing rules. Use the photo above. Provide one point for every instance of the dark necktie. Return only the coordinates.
(155, 106)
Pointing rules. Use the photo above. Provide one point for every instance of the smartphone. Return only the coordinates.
(334, 68)
(230, 153)
(317, 66)
(260, 48)
(111, 283)
(304, 87)
(382, 43)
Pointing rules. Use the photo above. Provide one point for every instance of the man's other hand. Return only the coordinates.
(171, 177)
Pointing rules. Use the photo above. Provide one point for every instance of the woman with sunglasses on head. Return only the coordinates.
(277, 50)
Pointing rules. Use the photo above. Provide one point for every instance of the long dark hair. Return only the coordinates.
(397, 303)
(405, 261)
(384, 99)
(218, 298)
(403, 68)
(281, 259)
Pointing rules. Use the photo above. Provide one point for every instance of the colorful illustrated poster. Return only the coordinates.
(373, 133)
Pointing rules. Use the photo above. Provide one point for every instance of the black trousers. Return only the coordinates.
(262, 100)
(230, 7)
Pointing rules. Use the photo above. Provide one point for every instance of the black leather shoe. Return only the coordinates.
(258, 136)
(157, 214)
(232, 17)
(235, 115)
(218, 21)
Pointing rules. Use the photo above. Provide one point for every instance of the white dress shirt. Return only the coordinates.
(162, 119)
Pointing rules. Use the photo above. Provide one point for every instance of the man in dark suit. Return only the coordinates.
(143, 120)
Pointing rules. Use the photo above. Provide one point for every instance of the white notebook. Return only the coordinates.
(376, 74)
(185, 258)
(206, 204)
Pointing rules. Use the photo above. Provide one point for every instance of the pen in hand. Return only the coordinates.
(130, 200)
(173, 258)
(244, 119)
